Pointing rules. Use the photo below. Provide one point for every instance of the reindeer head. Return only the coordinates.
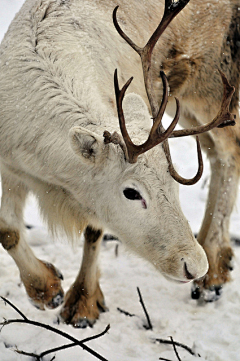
(134, 186)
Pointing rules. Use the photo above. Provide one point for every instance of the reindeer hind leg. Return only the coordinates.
(214, 233)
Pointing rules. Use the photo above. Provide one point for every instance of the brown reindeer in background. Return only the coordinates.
(191, 64)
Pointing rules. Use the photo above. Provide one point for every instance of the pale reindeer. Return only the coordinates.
(57, 99)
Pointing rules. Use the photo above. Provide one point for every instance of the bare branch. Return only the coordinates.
(175, 349)
(75, 341)
(14, 307)
(125, 312)
(64, 347)
(30, 354)
(149, 326)
(167, 342)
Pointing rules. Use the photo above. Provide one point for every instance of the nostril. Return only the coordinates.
(187, 273)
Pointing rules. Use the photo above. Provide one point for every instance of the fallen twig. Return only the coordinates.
(125, 312)
(176, 344)
(64, 347)
(149, 324)
(175, 349)
(75, 341)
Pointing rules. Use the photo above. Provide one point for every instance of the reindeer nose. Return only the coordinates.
(188, 275)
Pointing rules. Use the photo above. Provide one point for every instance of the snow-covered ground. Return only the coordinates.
(213, 329)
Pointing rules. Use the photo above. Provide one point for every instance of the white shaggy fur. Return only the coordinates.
(56, 99)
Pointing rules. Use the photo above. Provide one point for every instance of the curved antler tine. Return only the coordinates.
(122, 34)
(155, 137)
(164, 98)
(156, 128)
(171, 127)
(174, 173)
(223, 119)
(228, 90)
(118, 92)
(119, 98)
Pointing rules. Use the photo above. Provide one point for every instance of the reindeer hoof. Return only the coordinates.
(57, 300)
(74, 315)
(212, 294)
(44, 290)
(41, 302)
(195, 292)
(82, 310)
(84, 323)
(207, 295)
(209, 288)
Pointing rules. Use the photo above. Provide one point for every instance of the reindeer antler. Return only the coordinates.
(224, 117)
(132, 151)
(170, 11)
(158, 134)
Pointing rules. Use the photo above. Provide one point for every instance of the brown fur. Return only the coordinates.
(80, 305)
(43, 290)
(219, 266)
(230, 56)
(84, 301)
(92, 235)
(9, 239)
(191, 65)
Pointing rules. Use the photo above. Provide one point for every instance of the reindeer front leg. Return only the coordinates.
(84, 300)
(41, 279)
(214, 233)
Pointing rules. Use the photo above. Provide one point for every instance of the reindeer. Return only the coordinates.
(60, 137)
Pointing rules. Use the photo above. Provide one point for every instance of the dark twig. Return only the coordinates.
(177, 344)
(64, 347)
(175, 349)
(14, 307)
(125, 312)
(149, 324)
(164, 359)
(75, 341)
(30, 354)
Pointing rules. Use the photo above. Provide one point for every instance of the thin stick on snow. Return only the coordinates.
(149, 325)
(175, 349)
(64, 347)
(75, 341)
(126, 313)
(176, 344)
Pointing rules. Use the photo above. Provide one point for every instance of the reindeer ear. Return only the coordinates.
(86, 144)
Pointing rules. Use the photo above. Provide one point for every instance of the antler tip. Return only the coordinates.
(114, 15)
(225, 81)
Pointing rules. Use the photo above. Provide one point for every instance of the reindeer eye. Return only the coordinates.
(132, 194)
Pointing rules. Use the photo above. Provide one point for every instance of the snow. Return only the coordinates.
(211, 329)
